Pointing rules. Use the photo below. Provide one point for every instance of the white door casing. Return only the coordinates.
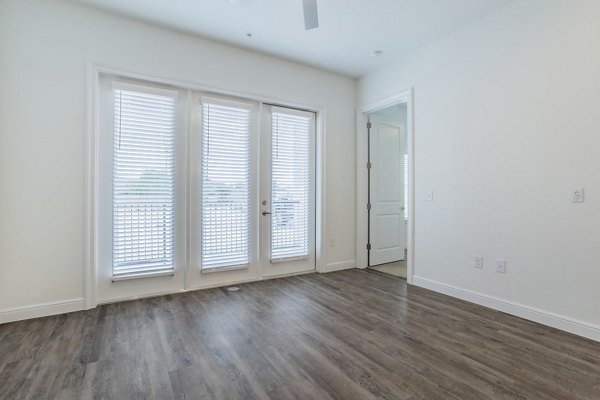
(362, 115)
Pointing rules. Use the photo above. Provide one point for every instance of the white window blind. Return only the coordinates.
(290, 184)
(143, 182)
(225, 178)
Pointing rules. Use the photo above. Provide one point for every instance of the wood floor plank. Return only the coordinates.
(355, 334)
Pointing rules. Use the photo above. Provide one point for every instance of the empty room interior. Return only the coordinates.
(300, 199)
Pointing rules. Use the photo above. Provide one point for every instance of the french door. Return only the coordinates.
(197, 190)
(287, 194)
(253, 199)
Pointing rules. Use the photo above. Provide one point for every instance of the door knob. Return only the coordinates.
(266, 212)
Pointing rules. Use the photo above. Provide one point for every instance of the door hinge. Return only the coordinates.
(369, 125)
(368, 206)
(369, 165)
(368, 246)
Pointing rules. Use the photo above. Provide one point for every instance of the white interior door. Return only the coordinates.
(287, 199)
(387, 223)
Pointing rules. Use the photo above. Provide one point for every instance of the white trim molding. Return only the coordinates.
(338, 266)
(41, 310)
(547, 318)
(89, 188)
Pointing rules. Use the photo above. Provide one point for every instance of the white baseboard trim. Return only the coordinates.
(65, 306)
(547, 318)
(338, 266)
(202, 287)
(41, 310)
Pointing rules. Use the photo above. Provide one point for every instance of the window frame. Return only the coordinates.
(196, 228)
(117, 85)
(110, 287)
(92, 183)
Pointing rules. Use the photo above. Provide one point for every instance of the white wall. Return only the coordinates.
(507, 123)
(44, 46)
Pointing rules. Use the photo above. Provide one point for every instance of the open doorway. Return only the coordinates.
(387, 214)
(385, 186)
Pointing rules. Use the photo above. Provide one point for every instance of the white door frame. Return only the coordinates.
(361, 178)
(90, 195)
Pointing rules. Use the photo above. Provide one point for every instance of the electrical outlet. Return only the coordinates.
(577, 195)
(501, 266)
(429, 195)
(478, 262)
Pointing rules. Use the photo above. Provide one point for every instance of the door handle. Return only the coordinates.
(266, 212)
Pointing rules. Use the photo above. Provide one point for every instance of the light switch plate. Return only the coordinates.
(478, 262)
(501, 266)
(577, 195)
(429, 195)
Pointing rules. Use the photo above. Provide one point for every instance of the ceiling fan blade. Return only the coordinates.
(311, 16)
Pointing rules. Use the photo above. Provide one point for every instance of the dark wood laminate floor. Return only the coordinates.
(347, 335)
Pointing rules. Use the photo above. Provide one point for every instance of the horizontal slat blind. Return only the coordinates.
(143, 182)
(225, 185)
(290, 185)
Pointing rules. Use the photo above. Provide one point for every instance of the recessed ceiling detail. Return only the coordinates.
(347, 30)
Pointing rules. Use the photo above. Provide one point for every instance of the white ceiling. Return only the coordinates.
(349, 31)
